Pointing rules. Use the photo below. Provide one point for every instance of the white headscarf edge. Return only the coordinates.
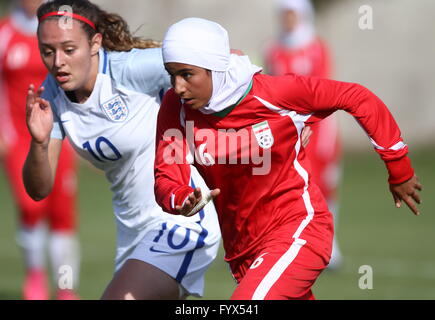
(205, 44)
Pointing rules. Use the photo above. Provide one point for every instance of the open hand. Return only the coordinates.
(39, 116)
(407, 192)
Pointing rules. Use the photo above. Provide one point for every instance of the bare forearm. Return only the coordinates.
(37, 173)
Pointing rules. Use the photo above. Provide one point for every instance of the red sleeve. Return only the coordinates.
(171, 169)
(321, 97)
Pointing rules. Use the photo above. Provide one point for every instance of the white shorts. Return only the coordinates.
(182, 247)
(183, 252)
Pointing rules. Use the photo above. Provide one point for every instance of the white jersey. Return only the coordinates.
(115, 131)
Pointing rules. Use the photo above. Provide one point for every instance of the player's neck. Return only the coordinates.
(85, 92)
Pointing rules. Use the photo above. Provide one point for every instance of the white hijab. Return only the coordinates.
(205, 44)
(305, 31)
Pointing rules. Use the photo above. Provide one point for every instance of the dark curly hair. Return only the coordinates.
(114, 29)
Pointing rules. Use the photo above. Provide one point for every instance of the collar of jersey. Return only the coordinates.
(102, 67)
(226, 111)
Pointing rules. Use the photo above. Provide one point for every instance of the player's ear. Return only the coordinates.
(96, 43)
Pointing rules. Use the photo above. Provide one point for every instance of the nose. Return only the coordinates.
(59, 59)
(179, 85)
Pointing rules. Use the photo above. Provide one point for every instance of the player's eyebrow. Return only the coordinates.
(62, 43)
(179, 71)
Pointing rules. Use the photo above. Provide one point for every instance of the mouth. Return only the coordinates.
(188, 101)
(62, 77)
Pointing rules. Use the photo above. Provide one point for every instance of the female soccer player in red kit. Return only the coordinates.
(242, 129)
(20, 65)
(299, 50)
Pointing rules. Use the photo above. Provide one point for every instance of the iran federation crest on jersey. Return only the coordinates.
(115, 109)
(264, 135)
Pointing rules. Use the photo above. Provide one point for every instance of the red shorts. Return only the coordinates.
(284, 267)
(59, 207)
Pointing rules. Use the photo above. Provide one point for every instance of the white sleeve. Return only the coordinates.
(141, 70)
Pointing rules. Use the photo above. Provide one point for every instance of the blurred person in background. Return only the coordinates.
(299, 50)
(103, 94)
(21, 65)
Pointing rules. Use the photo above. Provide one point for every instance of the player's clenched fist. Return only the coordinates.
(39, 117)
(196, 201)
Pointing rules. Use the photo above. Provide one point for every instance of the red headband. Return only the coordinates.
(68, 14)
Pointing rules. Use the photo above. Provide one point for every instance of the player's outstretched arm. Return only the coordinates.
(317, 96)
(196, 201)
(41, 162)
(407, 192)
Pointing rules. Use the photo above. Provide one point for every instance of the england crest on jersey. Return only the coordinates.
(263, 134)
(115, 109)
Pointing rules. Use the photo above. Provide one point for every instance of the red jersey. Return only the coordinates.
(311, 60)
(257, 196)
(20, 65)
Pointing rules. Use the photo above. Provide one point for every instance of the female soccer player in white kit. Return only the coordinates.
(106, 104)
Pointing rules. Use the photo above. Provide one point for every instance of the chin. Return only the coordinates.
(197, 106)
(67, 86)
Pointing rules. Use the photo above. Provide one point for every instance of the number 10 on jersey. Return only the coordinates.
(98, 147)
